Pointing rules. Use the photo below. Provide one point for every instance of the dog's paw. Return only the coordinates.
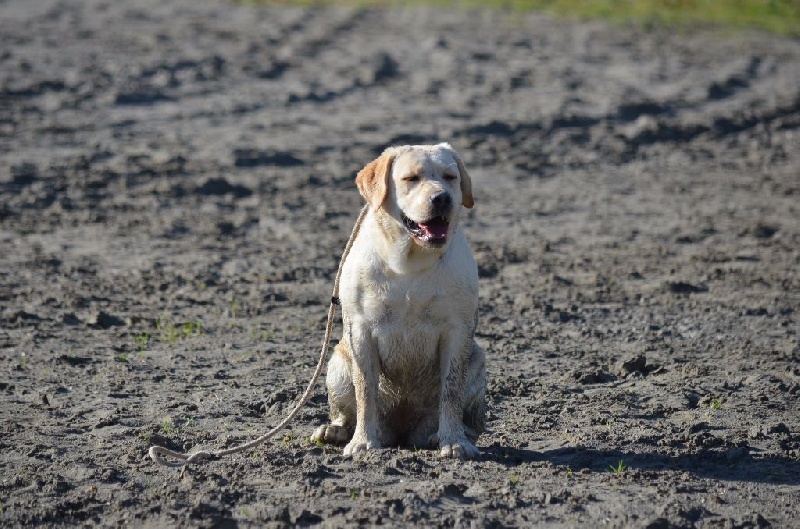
(357, 445)
(460, 450)
(331, 433)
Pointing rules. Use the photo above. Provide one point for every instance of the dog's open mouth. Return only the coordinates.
(432, 232)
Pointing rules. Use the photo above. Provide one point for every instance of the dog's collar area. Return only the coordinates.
(432, 232)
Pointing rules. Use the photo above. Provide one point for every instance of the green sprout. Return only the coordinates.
(619, 469)
(171, 333)
(166, 426)
(141, 340)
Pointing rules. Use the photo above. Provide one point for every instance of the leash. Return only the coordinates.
(158, 453)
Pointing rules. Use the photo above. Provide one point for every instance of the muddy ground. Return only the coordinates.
(176, 186)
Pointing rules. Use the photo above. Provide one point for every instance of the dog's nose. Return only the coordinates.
(441, 201)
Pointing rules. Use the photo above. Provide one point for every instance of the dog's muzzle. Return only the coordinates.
(432, 232)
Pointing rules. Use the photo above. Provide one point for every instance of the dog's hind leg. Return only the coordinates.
(341, 399)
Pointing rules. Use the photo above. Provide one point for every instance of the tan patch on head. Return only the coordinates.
(466, 183)
(373, 180)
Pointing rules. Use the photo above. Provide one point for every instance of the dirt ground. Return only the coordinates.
(176, 187)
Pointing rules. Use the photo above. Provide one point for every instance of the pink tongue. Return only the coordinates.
(436, 229)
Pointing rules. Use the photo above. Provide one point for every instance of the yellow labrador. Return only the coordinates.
(407, 369)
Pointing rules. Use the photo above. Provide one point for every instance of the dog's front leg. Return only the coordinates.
(455, 349)
(365, 381)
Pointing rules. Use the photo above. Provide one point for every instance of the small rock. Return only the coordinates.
(683, 287)
(102, 320)
(637, 363)
(645, 126)
(25, 173)
(764, 231)
(59, 484)
(74, 360)
(592, 377)
(70, 319)
(779, 428)
(105, 320)
(697, 427)
(382, 68)
(220, 186)
(658, 523)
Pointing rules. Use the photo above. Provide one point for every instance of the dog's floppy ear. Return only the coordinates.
(466, 184)
(373, 180)
(466, 181)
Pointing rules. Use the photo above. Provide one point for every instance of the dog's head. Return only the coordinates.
(422, 187)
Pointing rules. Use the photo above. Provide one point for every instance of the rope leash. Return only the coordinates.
(158, 453)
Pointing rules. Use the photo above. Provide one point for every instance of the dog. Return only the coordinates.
(407, 370)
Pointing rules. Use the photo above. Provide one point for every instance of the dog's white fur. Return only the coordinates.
(407, 369)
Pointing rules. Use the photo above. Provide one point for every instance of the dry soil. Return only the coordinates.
(176, 186)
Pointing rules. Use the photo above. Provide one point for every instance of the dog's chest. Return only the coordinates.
(410, 318)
